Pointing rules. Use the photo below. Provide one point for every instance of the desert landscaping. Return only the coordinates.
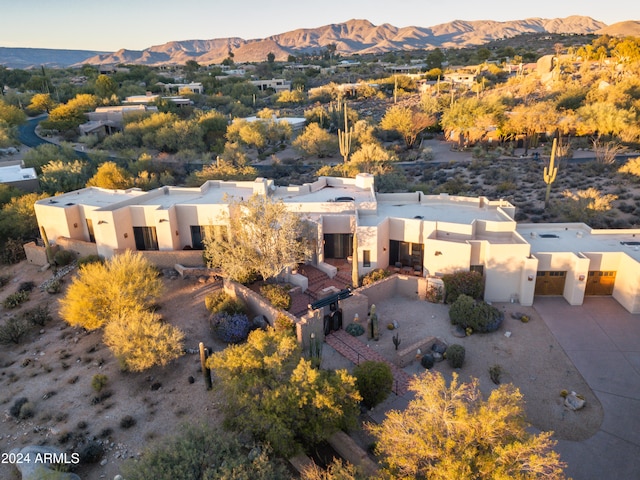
(54, 366)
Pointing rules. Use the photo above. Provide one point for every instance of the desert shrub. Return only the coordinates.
(478, 316)
(284, 324)
(231, 328)
(90, 259)
(222, 302)
(202, 452)
(374, 276)
(98, 382)
(278, 295)
(355, 329)
(495, 371)
(374, 381)
(91, 453)
(427, 360)
(27, 410)
(15, 300)
(38, 315)
(455, 355)
(54, 286)
(63, 258)
(127, 422)
(26, 286)
(12, 252)
(14, 411)
(13, 331)
(4, 279)
(463, 282)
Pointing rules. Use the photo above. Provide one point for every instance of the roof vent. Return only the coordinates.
(548, 235)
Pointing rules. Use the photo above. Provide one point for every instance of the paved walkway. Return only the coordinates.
(602, 339)
(353, 349)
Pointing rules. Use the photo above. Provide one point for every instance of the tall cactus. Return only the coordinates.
(374, 331)
(344, 137)
(355, 274)
(550, 172)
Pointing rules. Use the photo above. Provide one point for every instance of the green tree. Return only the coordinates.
(41, 155)
(316, 141)
(264, 237)
(101, 292)
(58, 176)
(291, 96)
(106, 87)
(110, 175)
(221, 170)
(275, 395)
(18, 218)
(140, 340)
(199, 452)
(72, 114)
(409, 123)
(451, 431)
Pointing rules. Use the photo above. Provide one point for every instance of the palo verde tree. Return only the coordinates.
(277, 397)
(118, 295)
(263, 237)
(409, 123)
(102, 292)
(451, 431)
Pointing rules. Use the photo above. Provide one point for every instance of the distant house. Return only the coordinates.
(107, 120)
(150, 98)
(19, 177)
(277, 84)
(296, 123)
(194, 87)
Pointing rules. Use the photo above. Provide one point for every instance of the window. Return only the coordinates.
(146, 238)
(199, 234)
(366, 258)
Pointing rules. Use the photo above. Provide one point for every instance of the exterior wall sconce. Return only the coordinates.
(581, 278)
(100, 222)
(126, 235)
(75, 225)
(177, 233)
(162, 220)
(530, 278)
(438, 253)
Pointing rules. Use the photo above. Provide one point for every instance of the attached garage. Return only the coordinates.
(550, 282)
(600, 283)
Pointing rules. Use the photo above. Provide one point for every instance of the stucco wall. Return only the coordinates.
(627, 286)
(167, 259)
(79, 247)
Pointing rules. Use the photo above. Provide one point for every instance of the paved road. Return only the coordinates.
(602, 339)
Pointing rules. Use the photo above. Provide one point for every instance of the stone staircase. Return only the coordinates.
(354, 350)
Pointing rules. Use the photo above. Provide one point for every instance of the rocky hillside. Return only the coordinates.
(351, 37)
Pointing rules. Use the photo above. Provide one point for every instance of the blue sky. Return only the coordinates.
(138, 24)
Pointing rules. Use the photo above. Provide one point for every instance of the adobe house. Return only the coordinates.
(417, 234)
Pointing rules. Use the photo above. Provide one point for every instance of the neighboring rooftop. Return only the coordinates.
(15, 173)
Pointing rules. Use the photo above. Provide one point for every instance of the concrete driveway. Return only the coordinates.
(602, 339)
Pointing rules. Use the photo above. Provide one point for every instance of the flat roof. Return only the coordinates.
(194, 196)
(328, 193)
(93, 197)
(15, 173)
(579, 238)
(437, 211)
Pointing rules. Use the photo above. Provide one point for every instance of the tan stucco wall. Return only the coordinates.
(503, 271)
(627, 286)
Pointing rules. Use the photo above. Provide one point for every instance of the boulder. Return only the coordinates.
(573, 401)
(36, 468)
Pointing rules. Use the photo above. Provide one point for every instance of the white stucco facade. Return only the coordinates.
(428, 235)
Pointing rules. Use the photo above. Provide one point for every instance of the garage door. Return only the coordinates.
(550, 283)
(600, 283)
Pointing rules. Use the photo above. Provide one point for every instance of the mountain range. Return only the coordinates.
(350, 38)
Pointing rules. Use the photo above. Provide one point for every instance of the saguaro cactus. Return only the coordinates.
(206, 371)
(344, 137)
(374, 332)
(396, 340)
(550, 172)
